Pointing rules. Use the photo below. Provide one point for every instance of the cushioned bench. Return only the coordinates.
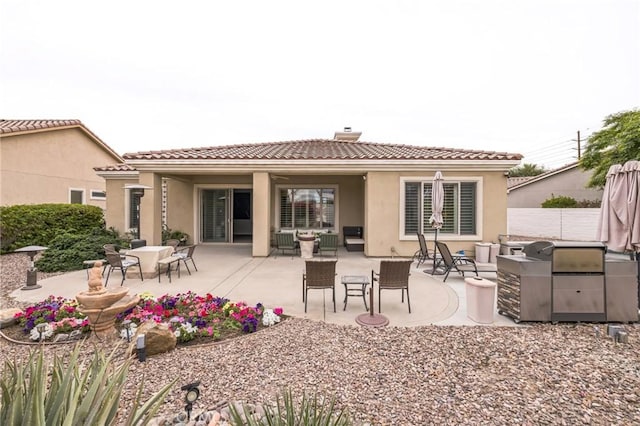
(168, 261)
(352, 236)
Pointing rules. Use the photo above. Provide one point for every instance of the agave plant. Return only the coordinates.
(70, 393)
(313, 411)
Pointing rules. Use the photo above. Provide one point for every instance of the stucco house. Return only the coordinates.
(569, 181)
(244, 193)
(52, 161)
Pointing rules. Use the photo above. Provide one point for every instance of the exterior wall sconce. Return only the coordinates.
(137, 191)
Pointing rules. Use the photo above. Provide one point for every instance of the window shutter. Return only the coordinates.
(328, 208)
(411, 207)
(286, 206)
(450, 211)
(467, 208)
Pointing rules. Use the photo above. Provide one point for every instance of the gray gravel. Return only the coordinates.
(536, 374)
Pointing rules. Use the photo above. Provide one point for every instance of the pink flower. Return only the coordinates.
(277, 311)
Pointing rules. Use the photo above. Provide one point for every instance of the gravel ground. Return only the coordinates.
(536, 374)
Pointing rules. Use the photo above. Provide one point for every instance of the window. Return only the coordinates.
(458, 213)
(309, 208)
(134, 209)
(76, 196)
(97, 194)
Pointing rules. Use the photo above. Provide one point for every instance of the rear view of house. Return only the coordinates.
(246, 193)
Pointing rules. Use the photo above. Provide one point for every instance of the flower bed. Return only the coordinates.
(191, 317)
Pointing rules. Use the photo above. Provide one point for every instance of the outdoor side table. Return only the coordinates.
(355, 285)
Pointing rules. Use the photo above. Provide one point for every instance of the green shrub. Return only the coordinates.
(71, 392)
(67, 251)
(559, 202)
(169, 234)
(39, 224)
(314, 411)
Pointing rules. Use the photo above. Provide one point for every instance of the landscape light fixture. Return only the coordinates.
(32, 271)
(191, 396)
(41, 327)
(127, 326)
(141, 349)
(137, 191)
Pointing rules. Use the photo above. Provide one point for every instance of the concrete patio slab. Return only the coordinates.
(276, 281)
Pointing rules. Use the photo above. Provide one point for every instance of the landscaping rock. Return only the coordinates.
(6, 316)
(158, 338)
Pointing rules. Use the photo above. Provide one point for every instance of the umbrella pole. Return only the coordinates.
(435, 252)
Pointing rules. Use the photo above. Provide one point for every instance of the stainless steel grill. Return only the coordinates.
(566, 281)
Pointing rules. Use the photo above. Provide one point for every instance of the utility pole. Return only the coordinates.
(578, 144)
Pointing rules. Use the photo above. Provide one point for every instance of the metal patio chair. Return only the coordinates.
(461, 264)
(393, 275)
(285, 241)
(329, 243)
(116, 261)
(319, 274)
(185, 254)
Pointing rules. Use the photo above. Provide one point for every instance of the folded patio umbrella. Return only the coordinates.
(437, 204)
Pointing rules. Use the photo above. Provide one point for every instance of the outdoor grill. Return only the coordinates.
(577, 279)
(567, 281)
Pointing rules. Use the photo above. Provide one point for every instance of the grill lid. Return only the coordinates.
(541, 250)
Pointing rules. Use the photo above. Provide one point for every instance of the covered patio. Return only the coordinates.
(230, 271)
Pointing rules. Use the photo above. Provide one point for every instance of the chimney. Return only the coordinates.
(347, 135)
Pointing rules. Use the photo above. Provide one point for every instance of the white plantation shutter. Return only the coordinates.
(411, 207)
(467, 208)
(458, 213)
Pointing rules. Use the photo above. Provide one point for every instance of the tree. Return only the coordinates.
(526, 170)
(617, 142)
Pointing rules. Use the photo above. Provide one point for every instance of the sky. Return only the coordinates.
(520, 76)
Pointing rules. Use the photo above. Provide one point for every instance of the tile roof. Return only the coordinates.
(320, 149)
(9, 127)
(13, 126)
(115, 168)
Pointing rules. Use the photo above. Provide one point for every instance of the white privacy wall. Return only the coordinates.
(563, 224)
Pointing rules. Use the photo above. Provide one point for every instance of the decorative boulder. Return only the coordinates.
(158, 338)
(7, 317)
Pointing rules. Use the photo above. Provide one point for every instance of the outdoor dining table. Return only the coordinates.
(149, 256)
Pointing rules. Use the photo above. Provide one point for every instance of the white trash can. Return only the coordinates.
(480, 299)
(494, 251)
(482, 252)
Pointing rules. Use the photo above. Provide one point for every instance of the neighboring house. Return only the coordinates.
(241, 193)
(569, 181)
(51, 161)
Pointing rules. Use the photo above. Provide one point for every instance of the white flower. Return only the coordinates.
(35, 334)
(269, 318)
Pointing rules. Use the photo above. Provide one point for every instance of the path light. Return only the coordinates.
(32, 271)
(192, 395)
(127, 326)
(41, 327)
(137, 191)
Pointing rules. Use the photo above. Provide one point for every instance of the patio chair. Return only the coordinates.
(185, 254)
(285, 241)
(173, 243)
(461, 264)
(394, 275)
(116, 261)
(328, 242)
(319, 274)
(422, 254)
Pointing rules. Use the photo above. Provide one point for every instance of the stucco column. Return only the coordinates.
(151, 209)
(261, 214)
